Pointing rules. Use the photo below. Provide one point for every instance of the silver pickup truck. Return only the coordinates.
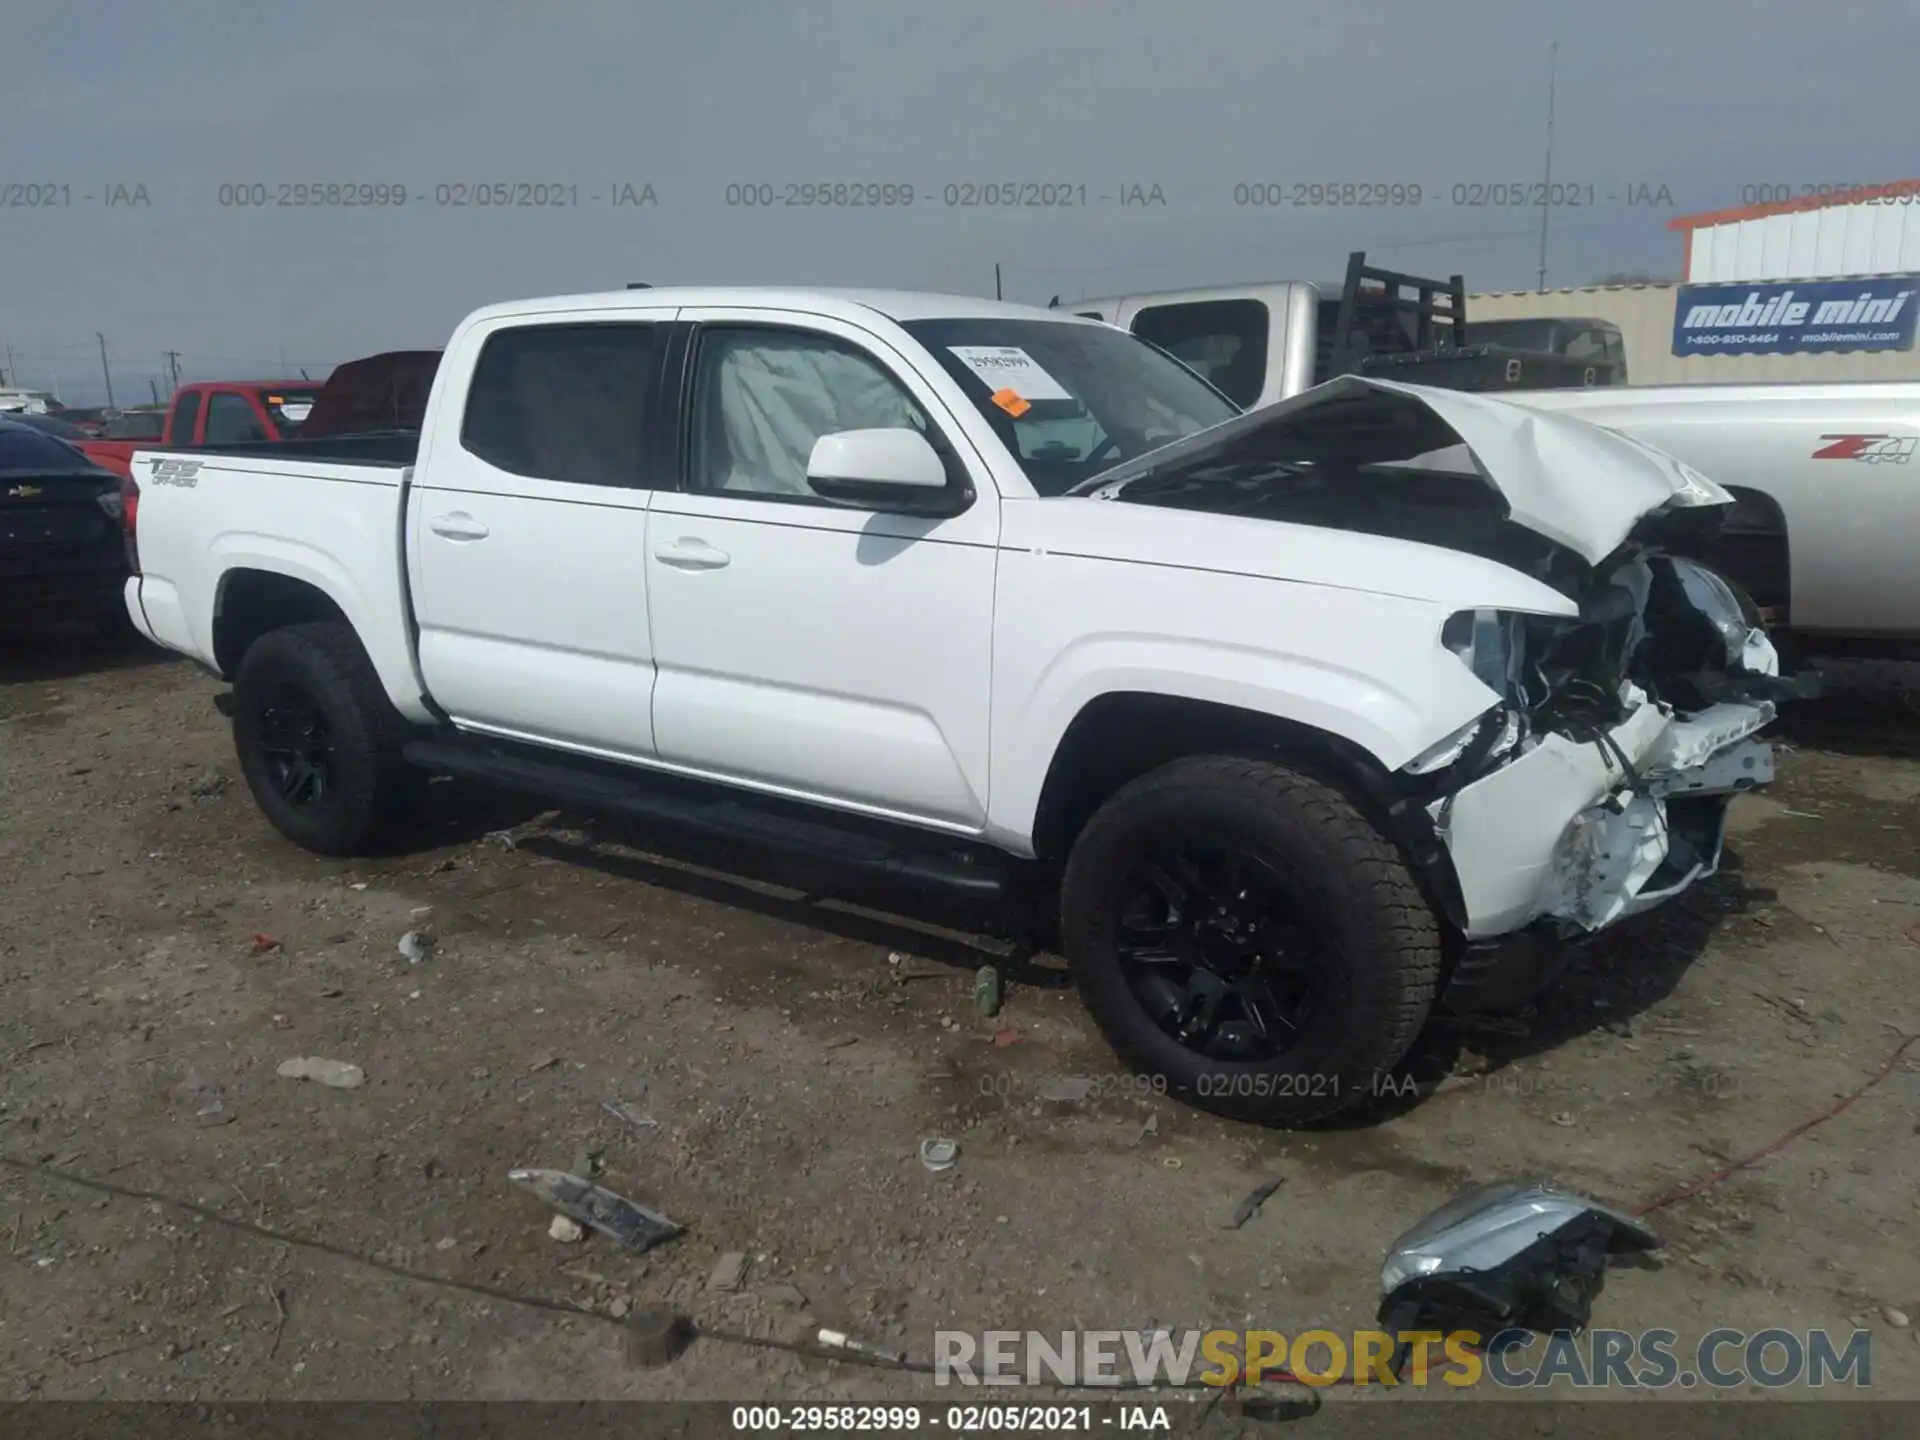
(1824, 475)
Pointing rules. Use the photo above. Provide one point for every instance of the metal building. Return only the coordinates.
(1824, 287)
(1871, 231)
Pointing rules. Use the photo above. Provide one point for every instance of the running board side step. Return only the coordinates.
(721, 817)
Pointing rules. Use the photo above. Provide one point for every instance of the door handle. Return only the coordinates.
(458, 526)
(688, 553)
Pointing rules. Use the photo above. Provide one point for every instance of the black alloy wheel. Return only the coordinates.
(1213, 945)
(1242, 930)
(296, 741)
(317, 738)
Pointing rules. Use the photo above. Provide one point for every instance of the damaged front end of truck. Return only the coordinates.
(1599, 785)
(1596, 783)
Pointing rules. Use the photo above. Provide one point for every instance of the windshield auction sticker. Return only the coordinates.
(1008, 367)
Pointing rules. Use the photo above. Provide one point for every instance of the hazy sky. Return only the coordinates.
(1704, 97)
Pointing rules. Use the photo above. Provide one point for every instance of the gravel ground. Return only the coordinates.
(162, 952)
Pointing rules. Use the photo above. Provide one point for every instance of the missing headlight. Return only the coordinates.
(1561, 674)
(1488, 641)
(1496, 732)
(1706, 643)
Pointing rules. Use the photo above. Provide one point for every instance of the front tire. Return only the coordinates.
(1243, 931)
(318, 740)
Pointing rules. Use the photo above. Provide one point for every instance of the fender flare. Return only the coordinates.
(391, 654)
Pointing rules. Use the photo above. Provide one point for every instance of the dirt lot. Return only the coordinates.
(794, 1054)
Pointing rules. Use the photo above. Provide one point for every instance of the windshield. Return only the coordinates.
(1071, 400)
(289, 408)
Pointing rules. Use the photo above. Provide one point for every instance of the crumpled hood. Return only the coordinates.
(1572, 482)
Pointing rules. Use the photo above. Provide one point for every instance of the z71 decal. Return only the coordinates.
(184, 473)
(1868, 449)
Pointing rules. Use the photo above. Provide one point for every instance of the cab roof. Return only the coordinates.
(839, 303)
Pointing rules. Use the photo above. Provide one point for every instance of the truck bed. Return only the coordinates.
(253, 510)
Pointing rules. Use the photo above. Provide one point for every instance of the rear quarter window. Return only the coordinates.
(24, 449)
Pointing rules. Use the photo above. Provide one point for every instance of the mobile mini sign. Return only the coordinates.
(1796, 318)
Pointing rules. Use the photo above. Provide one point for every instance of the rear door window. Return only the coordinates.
(231, 420)
(186, 414)
(1224, 342)
(564, 402)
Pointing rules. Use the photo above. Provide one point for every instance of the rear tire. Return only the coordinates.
(1319, 968)
(318, 740)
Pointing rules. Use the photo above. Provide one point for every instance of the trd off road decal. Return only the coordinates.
(1868, 449)
(184, 473)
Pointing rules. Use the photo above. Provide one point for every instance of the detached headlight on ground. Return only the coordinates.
(1516, 1255)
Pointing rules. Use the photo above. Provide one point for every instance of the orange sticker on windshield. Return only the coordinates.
(1010, 401)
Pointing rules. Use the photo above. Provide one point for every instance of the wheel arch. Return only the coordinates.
(257, 594)
(1118, 736)
(251, 602)
(1754, 549)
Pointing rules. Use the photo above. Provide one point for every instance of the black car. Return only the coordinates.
(63, 554)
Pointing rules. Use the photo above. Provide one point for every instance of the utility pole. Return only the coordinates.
(105, 373)
(996, 279)
(1546, 194)
(153, 388)
(12, 377)
(173, 371)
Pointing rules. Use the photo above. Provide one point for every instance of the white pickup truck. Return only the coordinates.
(1289, 717)
(1823, 475)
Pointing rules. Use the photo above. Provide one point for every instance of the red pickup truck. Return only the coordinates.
(216, 412)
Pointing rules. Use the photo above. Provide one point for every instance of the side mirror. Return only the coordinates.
(881, 470)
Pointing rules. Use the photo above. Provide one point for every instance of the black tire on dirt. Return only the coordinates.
(1313, 977)
(318, 740)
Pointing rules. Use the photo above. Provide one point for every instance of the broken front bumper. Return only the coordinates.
(1588, 833)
